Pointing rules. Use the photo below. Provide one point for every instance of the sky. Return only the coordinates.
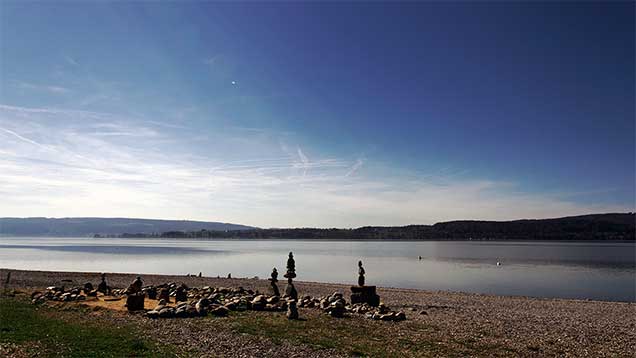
(317, 114)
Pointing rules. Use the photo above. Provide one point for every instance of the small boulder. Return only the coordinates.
(166, 312)
(220, 311)
(202, 306)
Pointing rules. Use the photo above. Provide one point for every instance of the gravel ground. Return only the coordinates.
(521, 325)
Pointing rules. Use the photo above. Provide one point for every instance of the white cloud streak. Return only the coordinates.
(45, 88)
(354, 168)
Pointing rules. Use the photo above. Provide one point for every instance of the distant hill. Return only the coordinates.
(104, 226)
(585, 227)
(616, 226)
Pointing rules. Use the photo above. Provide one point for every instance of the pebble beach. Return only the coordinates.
(515, 326)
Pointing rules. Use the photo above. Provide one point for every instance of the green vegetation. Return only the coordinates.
(47, 332)
(77, 331)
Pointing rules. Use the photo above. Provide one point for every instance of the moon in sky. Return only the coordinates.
(233, 82)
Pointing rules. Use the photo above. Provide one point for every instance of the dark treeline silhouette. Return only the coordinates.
(586, 227)
(103, 226)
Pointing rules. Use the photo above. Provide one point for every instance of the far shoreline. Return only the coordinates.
(320, 239)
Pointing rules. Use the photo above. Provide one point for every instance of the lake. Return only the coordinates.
(583, 270)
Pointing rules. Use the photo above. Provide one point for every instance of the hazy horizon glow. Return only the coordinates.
(105, 113)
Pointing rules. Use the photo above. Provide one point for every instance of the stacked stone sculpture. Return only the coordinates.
(290, 290)
(362, 293)
(273, 279)
(134, 295)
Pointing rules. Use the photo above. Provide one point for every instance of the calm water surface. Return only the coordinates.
(603, 271)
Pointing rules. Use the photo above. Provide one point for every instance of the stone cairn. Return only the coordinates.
(272, 281)
(103, 286)
(290, 291)
(180, 293)
(194, 302)
(362, 293)
(164, 294)
(134, 295)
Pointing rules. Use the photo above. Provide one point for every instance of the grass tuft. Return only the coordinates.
(43, 333)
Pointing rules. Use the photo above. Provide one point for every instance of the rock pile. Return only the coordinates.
(383, 313)
(56, 293)
(218, 302)
(336, 306)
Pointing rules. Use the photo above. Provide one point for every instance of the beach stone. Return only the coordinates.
(164, 294)
(181, 294)
(88, 287)
(135, 302)
(336, 308)
(152, 314)
(36, 294)
(181, 311)
(324, 303)
(220, 311)
(258, 303)
(202, 306)
(151, 292)
(231, 306)
(388, 317)
(423, 312)
(400, 316)
(166, 312)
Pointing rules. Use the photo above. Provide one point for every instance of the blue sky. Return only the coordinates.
(322, 114)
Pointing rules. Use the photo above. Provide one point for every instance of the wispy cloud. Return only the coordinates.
(58, 162)
(71, 61)
(44, 88)
(354, 168)
(304, 162)
(22, 138)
